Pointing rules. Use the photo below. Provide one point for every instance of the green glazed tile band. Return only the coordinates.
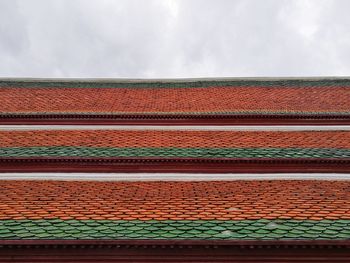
(170, 229)
(66, 151)
(176, 84)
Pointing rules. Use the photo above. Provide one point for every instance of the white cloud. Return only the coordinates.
(174, 38)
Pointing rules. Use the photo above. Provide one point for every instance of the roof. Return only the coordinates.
(232, 101)
(176, 143)
(163, 149)
(230, 210)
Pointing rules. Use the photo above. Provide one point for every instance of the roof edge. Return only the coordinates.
(143, 80)
(179, 242)
(173, 165)
(175, 119)
(172, 177)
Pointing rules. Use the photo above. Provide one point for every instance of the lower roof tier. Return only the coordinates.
(233, 210)
(174, 150)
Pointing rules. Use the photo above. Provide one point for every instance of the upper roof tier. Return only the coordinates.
(182, 101)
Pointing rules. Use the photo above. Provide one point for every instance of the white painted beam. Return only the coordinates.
(150, 127)
(170, 176)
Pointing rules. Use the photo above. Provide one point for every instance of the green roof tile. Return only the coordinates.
(66, 151)
(213, 229)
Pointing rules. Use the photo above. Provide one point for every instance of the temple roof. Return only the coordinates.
(128, 149)
(175, 143)
(197, 100)
(231, 210)
(277, 210)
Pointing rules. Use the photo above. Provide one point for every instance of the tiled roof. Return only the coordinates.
(174, 151)
(196, 97)
(175, 210)
(175, 144)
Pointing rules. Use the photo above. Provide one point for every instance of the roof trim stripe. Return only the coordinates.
(295, 83)
(189, 81)
(173, 165)
(175, 119)
(175, 152)
(172, 128)
(179, 79)
(172, 177)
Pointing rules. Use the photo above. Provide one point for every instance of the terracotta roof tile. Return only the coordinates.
(176, 138)
(195, 97)
(133, 199)
(180, 143)
(175, 210)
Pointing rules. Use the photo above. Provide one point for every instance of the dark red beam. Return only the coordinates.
(179, 165)
(178, 242)
(154, 119)
(173, 251)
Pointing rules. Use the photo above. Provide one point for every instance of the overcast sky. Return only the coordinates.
(174, 38)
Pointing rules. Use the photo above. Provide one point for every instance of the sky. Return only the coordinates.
(174, 38)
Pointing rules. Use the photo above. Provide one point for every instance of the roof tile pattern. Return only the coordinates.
(176, 139)
(220, 200)
(175, 210)
(175, 144)
(196, 97)
(223, 230)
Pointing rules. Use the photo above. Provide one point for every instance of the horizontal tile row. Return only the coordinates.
(176, 139)
(243, 230)
(194, 83)
(315, 99)
(210, 200)
(256, 153)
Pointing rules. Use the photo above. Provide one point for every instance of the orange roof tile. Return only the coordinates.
(151, 100)
(176, 138)
(217, 200)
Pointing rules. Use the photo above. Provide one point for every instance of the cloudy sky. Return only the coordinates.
(174, 38)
